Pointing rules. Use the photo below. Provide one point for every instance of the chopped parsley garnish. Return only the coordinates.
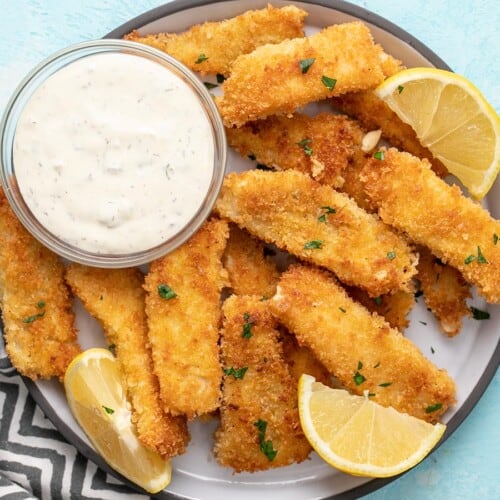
(165, 292)
(109, 411)
(327, 211)
(202, 57)
(400, 89)
(210, 85)
(247, 326)
(40, 304)
(423, 323)
(377, 300)
(378, 155)
(495, 238)
(30, 319)
(314, 244)
(341, 309)
(469, 259)
(481, 259)
(266, 447)
(371, 394)
(391, 255)
(432, 350)
(220, 78)
(304, 144)
(358, 378)
(252, 157)
(328, 82)
(385, 384)
(479, 314)
(305, 64)
(236, 373)
(434, 407)
(377, 365)
(360, 365)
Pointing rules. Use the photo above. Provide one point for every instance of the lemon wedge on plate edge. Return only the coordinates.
(96, 397)
(360, 437)
(452, 119)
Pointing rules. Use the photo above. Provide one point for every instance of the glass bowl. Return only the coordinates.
(12, 183)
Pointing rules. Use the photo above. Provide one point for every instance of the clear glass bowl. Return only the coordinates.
(8, 172)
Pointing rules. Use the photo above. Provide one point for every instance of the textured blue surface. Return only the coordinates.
(463, 33)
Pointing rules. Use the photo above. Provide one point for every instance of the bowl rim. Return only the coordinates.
(30, 84)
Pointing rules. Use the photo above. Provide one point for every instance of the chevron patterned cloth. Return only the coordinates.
(36, 462)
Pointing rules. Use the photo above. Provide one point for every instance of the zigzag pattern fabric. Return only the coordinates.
(36, 462)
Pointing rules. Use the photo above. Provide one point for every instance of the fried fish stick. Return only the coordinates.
(358, 347)
(412, 198)
(270, 80)
(373, 114)
(394, 308)
(38, 320)
(319, 146)
(250, 271)
(319, 225)
(445, 291)
(183, 314)
(115, 297)
(259, 403)
(212, 47)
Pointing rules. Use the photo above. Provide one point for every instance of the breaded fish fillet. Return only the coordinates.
(319, 146)
(394, 308)
(260, 426)
(250, 271)
(412, 198)
(271, 80)
(358, 347)
(374, 114)
(445, 291)
(39, 328)
(183, 311)
(320, 225)
(217, 44)
(115, 297)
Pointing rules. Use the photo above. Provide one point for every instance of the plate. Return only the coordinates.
(471, 358)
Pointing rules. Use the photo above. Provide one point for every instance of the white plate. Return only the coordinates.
(470, 358)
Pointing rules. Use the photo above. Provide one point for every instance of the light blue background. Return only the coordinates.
(463, 33)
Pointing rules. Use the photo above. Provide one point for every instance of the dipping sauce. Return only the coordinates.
(114, 153)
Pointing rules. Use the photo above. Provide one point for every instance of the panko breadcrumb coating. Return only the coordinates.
(358, 347)
(270, 80)
(115, 297)
(320, 146)
(217, 44)
(319, 225)
(39, 328)
(259, 402)
(457, 230)
(183, 313)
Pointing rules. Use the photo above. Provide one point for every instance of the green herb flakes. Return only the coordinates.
(400, 89)
(341, 309)
(304, 144)
(432, 350)
(210, 85)
(495, 238)
(469, 259)
(247, 326)
(305, 64)
(433, 408)
(358, 378)
(109, 411)
(327, 211)
(312, 245)
(237, 373)
(202, 57)
(377, 365)
(30, 319)
(378, 155)
(377, 300)
(385, 384)
(481, 259)
(479, 314)
(360, 365)
(391, 255)
(165, 292)
(328, 82)
(265, 446)
(40, 304)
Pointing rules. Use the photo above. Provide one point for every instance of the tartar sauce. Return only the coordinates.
(114, 153)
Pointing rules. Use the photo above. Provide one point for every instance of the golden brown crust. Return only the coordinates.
(445, 291)
(222, 42)
(267, 392)
(269, 80)
(38, 320)
(413, 199)
(276, 142)
(250, 271)
(115, 297)
(184, 330)
(283, 208)
(356, 345)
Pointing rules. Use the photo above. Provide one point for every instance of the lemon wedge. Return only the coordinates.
(360, 437)
(96, 397)
(452, 119)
